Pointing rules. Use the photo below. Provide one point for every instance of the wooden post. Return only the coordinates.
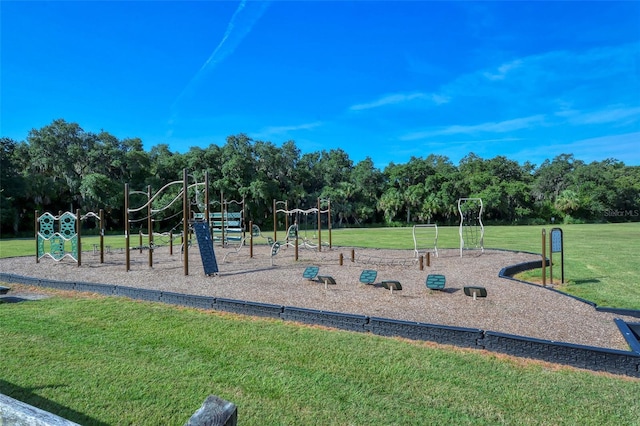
(296, 245)
(150, 226)
(78, 236)
(319, 228)
(550, 260)
(421, 262)
(206, 201)
(353, 255)
(329, 222)
(428, 259)
(286, 219)
(275, 222)
(185, 223)
(222, 210)
(341, 259)
(251, 239)
(126, 228)
(171, 243)
(140, 238)
(544, 257)
(37, 228)
(101, 213)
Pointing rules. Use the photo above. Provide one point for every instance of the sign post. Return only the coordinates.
(555, 246)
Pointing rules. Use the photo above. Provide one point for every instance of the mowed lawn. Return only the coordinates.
(112, 361)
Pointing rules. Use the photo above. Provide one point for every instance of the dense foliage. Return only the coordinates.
(61, 167)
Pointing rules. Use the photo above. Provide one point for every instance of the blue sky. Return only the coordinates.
(386, 79)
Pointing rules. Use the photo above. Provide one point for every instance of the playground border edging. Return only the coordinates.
(580, 356)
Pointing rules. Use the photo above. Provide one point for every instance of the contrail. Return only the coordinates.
(241, 23)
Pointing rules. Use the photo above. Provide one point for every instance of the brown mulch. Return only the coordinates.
(510, 307)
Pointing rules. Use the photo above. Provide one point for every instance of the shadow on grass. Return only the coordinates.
(28, 396)
(586, 281)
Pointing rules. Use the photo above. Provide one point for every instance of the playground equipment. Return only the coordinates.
(436, 281)
(471, 227)
(293, 231)
(419, 238)
(66, 240)
(187, 223)
(227, 225)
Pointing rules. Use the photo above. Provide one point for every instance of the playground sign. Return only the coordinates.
(556, 246)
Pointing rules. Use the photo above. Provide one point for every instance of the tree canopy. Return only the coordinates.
(62, 167)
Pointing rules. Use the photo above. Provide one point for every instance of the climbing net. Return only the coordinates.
(471, 227)
(371, 259)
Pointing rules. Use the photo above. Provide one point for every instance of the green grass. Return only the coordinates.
(103, 361)
(601, 260)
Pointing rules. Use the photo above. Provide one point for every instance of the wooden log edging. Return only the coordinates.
(18, 413)
(581, 356)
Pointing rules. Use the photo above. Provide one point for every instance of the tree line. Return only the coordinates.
(61, 167)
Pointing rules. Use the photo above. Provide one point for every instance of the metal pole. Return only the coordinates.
(78, 226)
(251, 239)
(329, 222)
(101, 235)
(37, 238)
(150, 226)
(126, 227)
(185, 223)
(222, 210)
(544, 258)
(275, 222)
(551, 258)
(319, 228)
(206, 200)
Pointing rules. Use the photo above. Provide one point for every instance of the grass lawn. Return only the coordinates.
(102, 361)
(107, 361)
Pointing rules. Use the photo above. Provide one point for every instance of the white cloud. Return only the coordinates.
(400, 98)
(272, 131)
(503, 70)
(488, 127)
(614, 115)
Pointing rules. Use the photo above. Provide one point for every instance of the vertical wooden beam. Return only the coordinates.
(329, 222)
(275, 222)
(319, 227)
(37, 228)
(101, 218)
(78, 236)
(150, 225)
(185, 219)
(544, 258)
(126, 228)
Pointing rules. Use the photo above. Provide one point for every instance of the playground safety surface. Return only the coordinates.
(510, 306)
